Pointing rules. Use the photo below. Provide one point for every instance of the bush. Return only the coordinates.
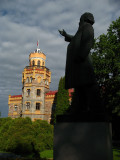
(46, 154)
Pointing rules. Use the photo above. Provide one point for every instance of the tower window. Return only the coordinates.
(30, 79)
(33, 62)
(28, 92)
(37, 106)
(38, 92)
(16, 107)
(27, 80)
(43, 63)
(38, 63)
(28, 105)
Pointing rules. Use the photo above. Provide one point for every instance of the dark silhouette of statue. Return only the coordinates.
(79, 73)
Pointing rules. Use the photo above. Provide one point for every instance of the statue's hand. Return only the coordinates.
(62, 32)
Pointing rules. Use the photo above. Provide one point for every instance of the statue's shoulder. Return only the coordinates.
(88, 28)
(87, 25)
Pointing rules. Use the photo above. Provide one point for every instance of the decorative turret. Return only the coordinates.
(37, 58)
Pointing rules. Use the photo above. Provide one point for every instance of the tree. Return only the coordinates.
(106, 61)
(24, 137)
(62, 102)
(43, 135)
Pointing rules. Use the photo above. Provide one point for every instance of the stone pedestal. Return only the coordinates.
(80, 139)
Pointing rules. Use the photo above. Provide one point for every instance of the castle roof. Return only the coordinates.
(48, 93)
(16, 96)
(54, 92)
(51, 92)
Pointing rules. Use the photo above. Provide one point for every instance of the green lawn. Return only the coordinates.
(46, 154)
(49, 154)
(116, 154)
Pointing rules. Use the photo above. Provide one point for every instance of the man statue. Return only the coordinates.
(79, 73)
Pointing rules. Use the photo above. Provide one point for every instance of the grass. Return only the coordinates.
(116, 154)
(46, 154)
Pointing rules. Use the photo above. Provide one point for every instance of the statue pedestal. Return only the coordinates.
(78, 139)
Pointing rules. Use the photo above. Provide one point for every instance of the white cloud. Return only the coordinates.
(22, 23)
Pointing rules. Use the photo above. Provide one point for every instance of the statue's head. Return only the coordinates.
(87, 17)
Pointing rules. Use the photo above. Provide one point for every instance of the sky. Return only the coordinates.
(23, 22)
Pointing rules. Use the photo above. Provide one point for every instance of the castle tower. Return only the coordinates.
(36, 79)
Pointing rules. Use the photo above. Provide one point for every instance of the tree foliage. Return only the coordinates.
(106, 61)
(22, 136)
(62, 102)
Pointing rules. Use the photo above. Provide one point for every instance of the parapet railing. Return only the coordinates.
(36, 66)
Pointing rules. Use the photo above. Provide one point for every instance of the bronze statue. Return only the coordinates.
(79, 73)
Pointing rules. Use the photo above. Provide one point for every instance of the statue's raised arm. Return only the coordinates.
(64, 34)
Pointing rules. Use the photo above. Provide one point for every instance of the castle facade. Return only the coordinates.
(36, 100)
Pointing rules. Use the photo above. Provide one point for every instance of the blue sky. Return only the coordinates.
(23, 22)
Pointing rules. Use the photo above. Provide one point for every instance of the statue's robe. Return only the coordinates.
(79, 70)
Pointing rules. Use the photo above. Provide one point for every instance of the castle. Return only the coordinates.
(36, 100)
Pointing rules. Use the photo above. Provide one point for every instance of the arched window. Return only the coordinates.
(38, 63)
(33, 62)
(43, 63)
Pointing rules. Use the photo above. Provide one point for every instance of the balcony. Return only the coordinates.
(37, 67)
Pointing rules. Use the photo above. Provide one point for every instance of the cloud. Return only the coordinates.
(23, 22)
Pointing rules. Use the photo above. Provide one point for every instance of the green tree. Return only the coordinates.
(16, 136)
(43, 135)
(62, 102)
(24, 137)
(106, 61)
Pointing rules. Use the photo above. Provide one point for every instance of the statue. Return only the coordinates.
(79, 73)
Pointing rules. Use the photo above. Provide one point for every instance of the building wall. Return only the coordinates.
(34, 77)
(15, 106)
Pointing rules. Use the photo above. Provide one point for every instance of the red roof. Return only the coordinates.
(54, 92)
(51, 93)
(16, 96)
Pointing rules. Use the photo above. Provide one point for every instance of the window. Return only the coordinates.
(37, 106)
(30, 79)
(38, 92)
(16, 107)
(27, 80)
(28, 105)
(38, 63)
(28, 92)
(43, 63)
(33, 62)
